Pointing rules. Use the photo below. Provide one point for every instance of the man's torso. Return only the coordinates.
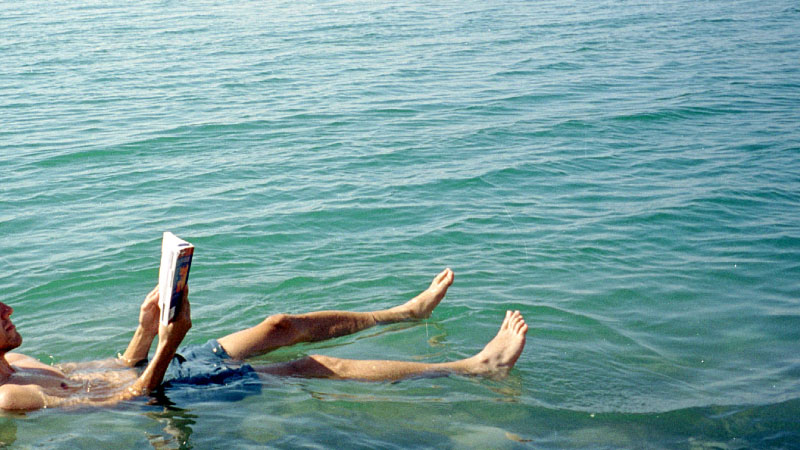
(72, 381)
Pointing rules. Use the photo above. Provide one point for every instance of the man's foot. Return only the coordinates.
(502, 352)
(421, 306)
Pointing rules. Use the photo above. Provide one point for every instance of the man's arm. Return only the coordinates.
(143, 337)
(169, 338)
(15, 397)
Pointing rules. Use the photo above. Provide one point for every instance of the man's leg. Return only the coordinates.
(287, 329)
(496, 359)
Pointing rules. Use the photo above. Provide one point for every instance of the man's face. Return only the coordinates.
(9, 338)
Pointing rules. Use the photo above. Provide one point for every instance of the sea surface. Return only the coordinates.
(624, 173)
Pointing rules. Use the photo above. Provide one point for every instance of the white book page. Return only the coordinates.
(166, 273)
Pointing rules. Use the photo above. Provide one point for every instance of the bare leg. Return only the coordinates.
(496, 359)
(285, 329)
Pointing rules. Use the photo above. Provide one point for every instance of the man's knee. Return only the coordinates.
(283, 324)
(325, 365)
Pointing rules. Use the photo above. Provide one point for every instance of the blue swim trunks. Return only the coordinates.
(207, 364)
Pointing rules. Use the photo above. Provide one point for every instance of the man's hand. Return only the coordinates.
(149, 312)
(173, 333)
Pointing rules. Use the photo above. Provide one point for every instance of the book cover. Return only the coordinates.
(173, 274)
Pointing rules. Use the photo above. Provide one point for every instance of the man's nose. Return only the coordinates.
(5, 310)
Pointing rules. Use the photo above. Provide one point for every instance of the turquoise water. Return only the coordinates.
(627, 174)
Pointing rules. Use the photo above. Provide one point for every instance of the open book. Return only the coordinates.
(173, 275)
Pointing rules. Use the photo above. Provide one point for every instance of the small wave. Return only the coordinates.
(560, 66)
(69, 158)
(669, 114)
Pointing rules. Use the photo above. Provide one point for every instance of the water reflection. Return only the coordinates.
(8, 431)
(177, 428)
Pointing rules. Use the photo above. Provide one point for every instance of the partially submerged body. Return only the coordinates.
(70, 384)
(28, 384)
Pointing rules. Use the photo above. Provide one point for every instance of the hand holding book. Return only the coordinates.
(173, 275)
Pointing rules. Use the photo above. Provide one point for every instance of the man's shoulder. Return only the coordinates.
(27, 362)
(17, 357)
(25, 365)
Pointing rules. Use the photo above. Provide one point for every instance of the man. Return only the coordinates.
(27, 384)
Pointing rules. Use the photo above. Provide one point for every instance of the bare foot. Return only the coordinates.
(421, 306)
(500, 354)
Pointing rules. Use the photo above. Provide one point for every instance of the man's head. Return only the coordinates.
(9, 337)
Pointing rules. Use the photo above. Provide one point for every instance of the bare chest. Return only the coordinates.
(50, 379)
